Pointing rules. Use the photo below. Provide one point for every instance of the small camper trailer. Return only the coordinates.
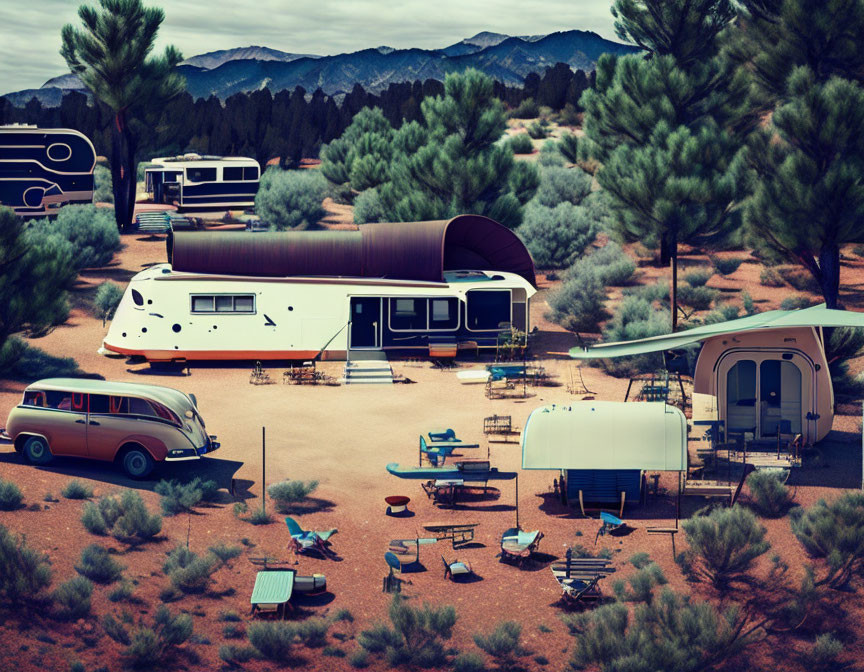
(194, 181)
(42, 169)
(758, 376)
(424, 288)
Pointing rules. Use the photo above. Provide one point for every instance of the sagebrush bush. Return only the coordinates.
(521, 143)
(273, 641)
(148, 647)
(225, 553)
(368, 207)
(538, 129)
(121, 593)
(103, 191)
(259, 516)
(698, 277)
(725, 543)
(289, 493)
(726, 266)
(73, 598)
(769, 277)
(562, 185)
(612, 265)
(98, 565)
(569, 147)
(183, 497)
(825, 653)
(635, 318)
(698, 298)
(232, 631)
(312, 632)
(769, 494)
(105, 301)
(25, 572)
(527, 109)
(799, 279)
(640, 585)
(503, 643)
(550, 157)
(640, 560)
(92, 232)
(556, 236)
(93, 520)
(468, 662)
(359, 659)
(236, 655)
(10, 496)
(75, 489)
(21, 361)
(795, 302)
(188, 571)
(291, 199)
(125, 517)
(579, 304)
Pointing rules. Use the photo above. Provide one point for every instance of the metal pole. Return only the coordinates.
(263, 470)
(517, 501)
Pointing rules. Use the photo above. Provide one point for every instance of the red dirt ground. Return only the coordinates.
(343, 437)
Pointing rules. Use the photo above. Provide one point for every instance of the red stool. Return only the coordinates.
(397, 504)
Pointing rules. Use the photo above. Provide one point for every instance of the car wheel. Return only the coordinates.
(137, 463)
(36, 450)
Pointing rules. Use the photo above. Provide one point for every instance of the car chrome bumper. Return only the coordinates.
(185, 454)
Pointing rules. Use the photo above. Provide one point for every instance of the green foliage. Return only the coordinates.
(75, 489)
(550, 157)
(189, 572)
(726, 265)
(748, 304)
(698, 277)
(229, 616)
(503, 644)
(521, 144)
(359, 158)
(579, 304)
(635, 317)
(273, 641)
(527, 109)
(770, 495)
(225, 553)
(21, 361)
(562, 185)
(640, 560)
(613, 266)
(104, 188)
(795, 302)
(825, 653)
(93, 520)
(89, 229)
(834, 532)
(98, 565)
(121, 593)
(232, 631)
(10, 496)
(359, 659)
(183, 497)
(106, 300)
(468, 662)
(368, 208)
(769, 277)
(312, 632)
(698, 298)
(25, 571)
(288, 494)
(538, 129)
(73, 597)
(725, 543)
(415, 636)
(799, 279)
(291, 199)
(568, 145)
(125, 517)
(557, 236)
(236, 655)
(148, 647)
(259, 517)
(641, 584)
(343, 614)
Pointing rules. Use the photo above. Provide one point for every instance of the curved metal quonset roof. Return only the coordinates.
(400, 251)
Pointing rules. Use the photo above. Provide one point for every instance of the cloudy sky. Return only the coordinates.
(30, 29)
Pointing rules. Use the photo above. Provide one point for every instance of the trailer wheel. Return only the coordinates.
(37, 451)
(137, 462)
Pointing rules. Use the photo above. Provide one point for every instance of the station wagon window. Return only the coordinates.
(201, 174)
(98, 403)
(250, 173)
(488, 310)
(48, 399)
(232, 173)
(408, 314)
(223, 303)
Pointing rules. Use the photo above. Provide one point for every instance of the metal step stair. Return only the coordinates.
(367, 367)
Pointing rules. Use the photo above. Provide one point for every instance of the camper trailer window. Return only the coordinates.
(408, 314)
(244, 304)
(250, 173)
(224, 304)
(444, 313)
(201, 174)
(487, 310)
(232, 173)
(202, 304)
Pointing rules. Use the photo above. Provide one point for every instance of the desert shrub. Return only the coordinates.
(562, 185)
(527, 109)
(550, 157)
(724, 544)
(579, 304)
(93, 520)
(73, 598)
(104, 190)
(698, 277)
(834, 532)
(569, 147)
(368, 207)
(726, 266)
(503, 644)
(640, 585)
(147, 647)
(106, 300)
(824, 653)
(556, 236)
(25, 571)
(343, 614)
(359, 659)
(225, 553)
(468, 662)
(121, 593)
(230, 616)
(75, 489)
(259, 517)
(10, 496)
(135, 523)
(333, 652)
(188, 571)
(236, 655)
(635, 317)
(415, 636)
(613, 266)
(287, 494)
(521, 144)
(291, 199)
(538, 129)
(21, 361)
(770, 495)
(748, 304)
(640, 560)
(795, 302)
(232, 631)
(799, 279)
(313, 632)
(273, 641)
(98, 565)
(698, 298)
(92, 232)
(183, 497)
(722, 313)
(769, 277)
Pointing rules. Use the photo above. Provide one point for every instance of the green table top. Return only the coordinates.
(273, 587)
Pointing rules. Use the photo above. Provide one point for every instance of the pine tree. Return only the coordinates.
(111, 56)
(661, 124)
(806, 62)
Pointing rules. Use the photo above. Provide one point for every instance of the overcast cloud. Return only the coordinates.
(30, 29)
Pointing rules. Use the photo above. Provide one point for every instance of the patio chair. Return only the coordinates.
(579, 578)
(393, 581)
(518, 545)
(456, 568)
(308, 541)
(609, 525)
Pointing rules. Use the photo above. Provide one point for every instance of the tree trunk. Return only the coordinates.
(123, 171)
(116, 174)
(673, 290)
(131, 170)
(829, 276)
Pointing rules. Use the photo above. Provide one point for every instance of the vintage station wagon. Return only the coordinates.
(131, 424)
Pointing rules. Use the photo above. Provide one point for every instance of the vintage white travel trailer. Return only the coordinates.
(194, 181)
(421, 287)
(756, 375)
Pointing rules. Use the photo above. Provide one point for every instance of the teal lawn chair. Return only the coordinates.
(308, 541)
(518, 545)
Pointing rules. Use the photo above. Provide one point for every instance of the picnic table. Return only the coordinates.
(458, 533)
(273, 588)
(443, 489)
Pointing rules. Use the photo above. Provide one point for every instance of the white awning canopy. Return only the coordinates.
(606, 435)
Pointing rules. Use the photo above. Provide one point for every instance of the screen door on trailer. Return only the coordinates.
(365, 322)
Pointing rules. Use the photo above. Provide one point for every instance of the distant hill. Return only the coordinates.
(505, 58)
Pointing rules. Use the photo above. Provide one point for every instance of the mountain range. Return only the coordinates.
(505, 58)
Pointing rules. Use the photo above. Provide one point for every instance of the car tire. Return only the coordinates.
(37, 451)
(137, 463)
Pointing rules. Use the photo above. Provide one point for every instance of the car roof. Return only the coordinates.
(165, 395)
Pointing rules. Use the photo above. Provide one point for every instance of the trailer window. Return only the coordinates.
(488, 310)
(201, 174)
(250, 173)
(443, 313)
(223, 303)
(232, 173)
(408, 314)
